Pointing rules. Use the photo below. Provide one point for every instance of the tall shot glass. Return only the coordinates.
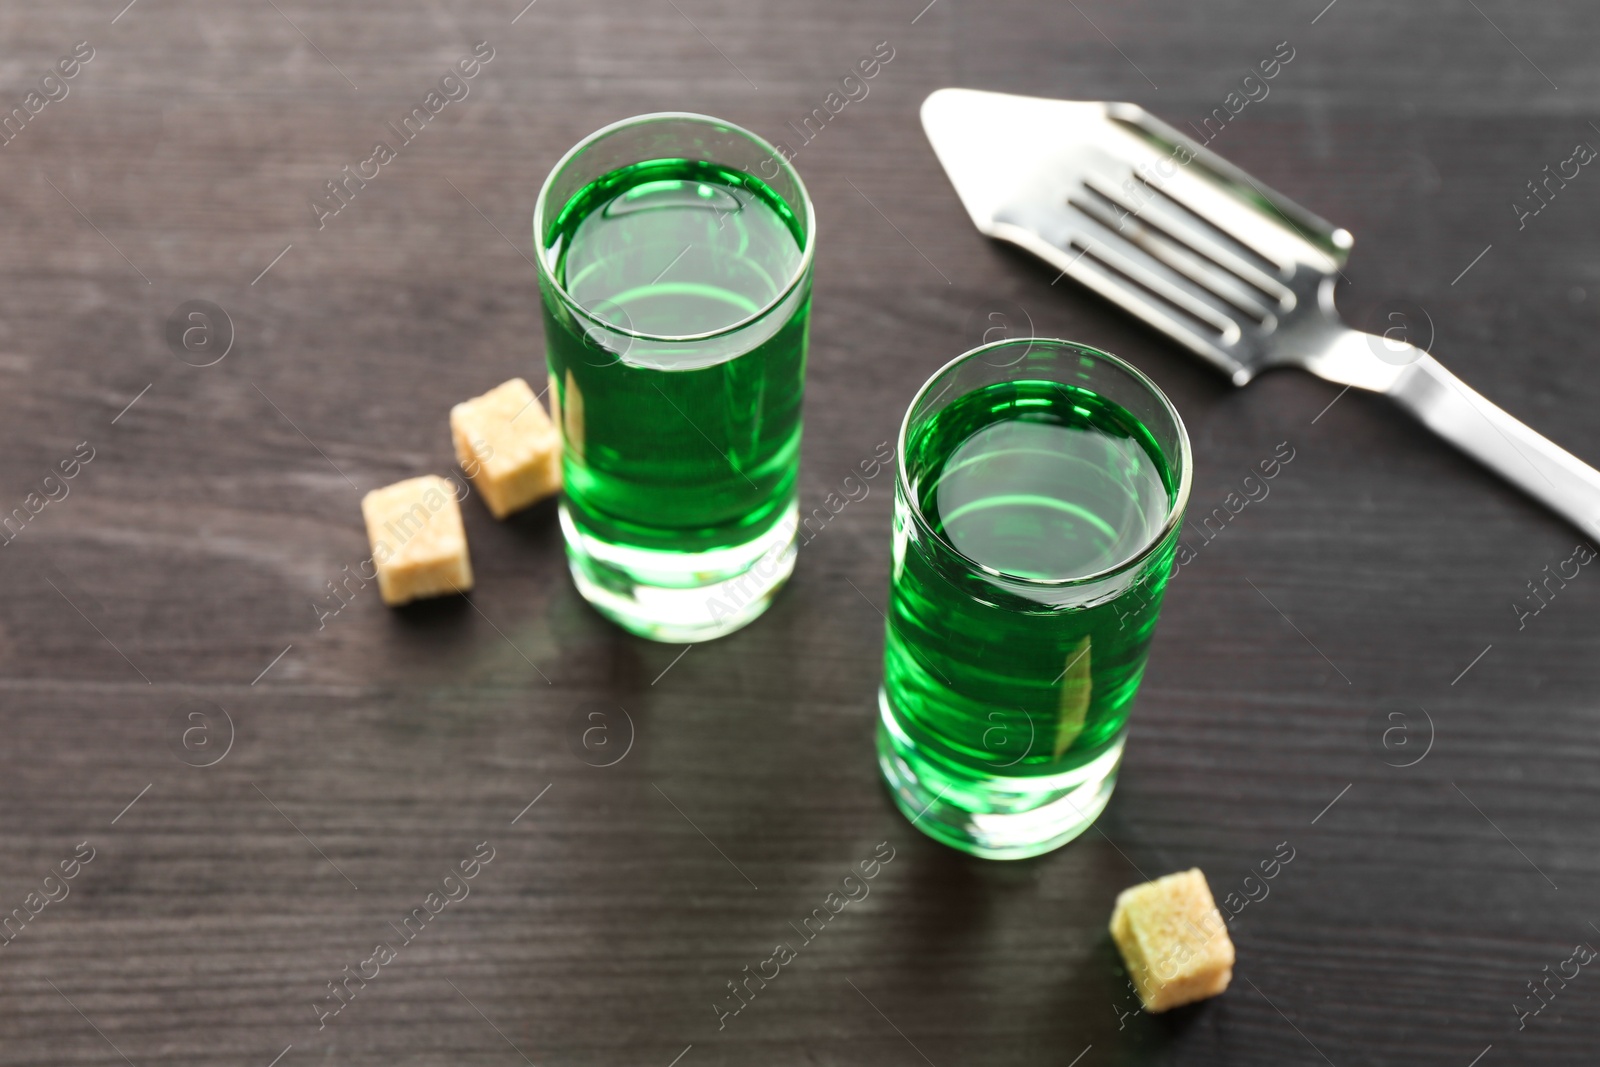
(1039, 495)
(674, 259)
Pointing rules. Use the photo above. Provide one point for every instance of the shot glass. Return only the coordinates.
(1039, 494)
(674, 260)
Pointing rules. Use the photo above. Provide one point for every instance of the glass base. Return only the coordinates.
(682, 597)
(1008, 818)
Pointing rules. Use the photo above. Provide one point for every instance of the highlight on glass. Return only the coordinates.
(1038, 499)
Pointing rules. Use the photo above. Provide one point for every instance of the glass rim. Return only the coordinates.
(801, 271)
(1180, 499)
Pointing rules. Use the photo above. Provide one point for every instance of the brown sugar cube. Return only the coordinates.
(1173, 940)
(419, 546)
(508, 446)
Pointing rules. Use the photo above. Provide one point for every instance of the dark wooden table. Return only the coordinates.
(267, 791)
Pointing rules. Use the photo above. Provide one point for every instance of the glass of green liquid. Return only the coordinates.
(674, 255)
(1038, 500)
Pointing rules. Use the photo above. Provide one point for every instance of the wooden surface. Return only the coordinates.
(369, 756)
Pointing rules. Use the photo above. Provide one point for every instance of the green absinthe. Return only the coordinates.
(682, 435)
(1016, 636)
